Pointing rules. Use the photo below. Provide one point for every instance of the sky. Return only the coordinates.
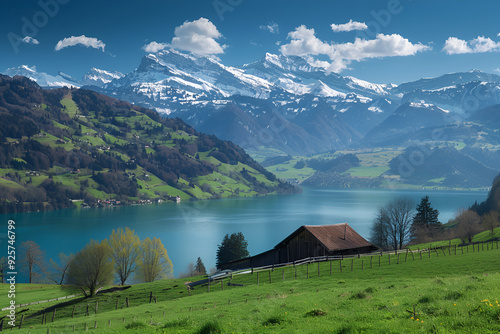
(388, 41)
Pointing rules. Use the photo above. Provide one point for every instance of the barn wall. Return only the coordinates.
(302, 246)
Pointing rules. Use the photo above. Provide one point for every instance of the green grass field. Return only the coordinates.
(417, 294)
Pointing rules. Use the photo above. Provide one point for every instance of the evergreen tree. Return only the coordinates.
(426, 216)
(199, 268)
(232, 248)
(425, 222)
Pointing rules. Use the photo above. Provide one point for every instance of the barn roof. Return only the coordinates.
(333, 237)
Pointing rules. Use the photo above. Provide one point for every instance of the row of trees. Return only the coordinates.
(398, 224)
(120, 258)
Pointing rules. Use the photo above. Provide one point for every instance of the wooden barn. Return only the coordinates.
(309, 241)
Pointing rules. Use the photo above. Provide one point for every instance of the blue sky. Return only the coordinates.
(395, 40)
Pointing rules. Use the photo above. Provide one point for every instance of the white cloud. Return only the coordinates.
(480, 44)
(349, 26)
(198, 37)
(82, 40)
(154, 47)
(272, 27)
(30, 40)
(305, 43)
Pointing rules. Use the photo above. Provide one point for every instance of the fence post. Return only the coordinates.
(257, 278)
(87, 312)
(270, 280)
(307, 268)
(53, 315)
(283, 274)
(379, 260)
(222, 285)
(443, 251)
(362, 265)
(352, 264)
(455, 249)
(389, 258)
(420, 254)
(295, 269)
(330, 267)
(21, 323)
(340, 264)
(96, 305)
(318, 268)
(150, 296)
(127, 301)
(398, 259)
(73, 313)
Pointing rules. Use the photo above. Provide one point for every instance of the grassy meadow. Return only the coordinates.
(424, 292)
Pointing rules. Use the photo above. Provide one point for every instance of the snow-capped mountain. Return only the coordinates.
(286, 103)
(43, 79)
(170, 76)
(99, 78)
(296, 75)
(446, 81)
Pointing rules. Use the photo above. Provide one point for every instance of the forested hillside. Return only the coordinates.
(66, 147)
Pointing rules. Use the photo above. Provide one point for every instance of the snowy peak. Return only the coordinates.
(98, 77)
(446, 81)
(43, 79)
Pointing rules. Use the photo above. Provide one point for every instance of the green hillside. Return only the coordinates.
(67, 147)
(445, 292)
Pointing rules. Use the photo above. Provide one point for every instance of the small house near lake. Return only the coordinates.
(309, 241)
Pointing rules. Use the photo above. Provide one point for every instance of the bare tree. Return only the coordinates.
(393, 223)
(125, 250)
(91, 268)
(490, 221)
(467, 225)
(3, 267)
(59, 270)
(379, 231)
(32, 259)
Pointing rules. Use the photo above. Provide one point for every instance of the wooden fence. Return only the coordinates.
(345, 263)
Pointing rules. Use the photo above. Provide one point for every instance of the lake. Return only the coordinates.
(194, 229)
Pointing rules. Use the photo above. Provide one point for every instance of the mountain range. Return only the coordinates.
(281, 105)
(285, 104)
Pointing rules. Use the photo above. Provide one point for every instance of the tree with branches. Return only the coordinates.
(392, 226)
(490, 221)
(467, 225)
(426, 225)
(59, 270)
(32, 258)
(199, 267)
(125, 250)
(3, 268)
(154, 263)
(91, 268)
(232, 248)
